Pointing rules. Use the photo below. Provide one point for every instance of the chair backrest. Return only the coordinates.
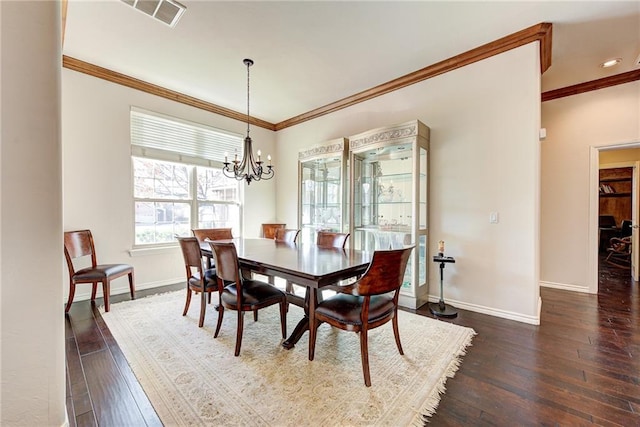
(226, 260)
(269, 230)
(286, 235)
(203, 234)
(78, 244)
(329, 239)
(192, 256)
(190, 251)
(625, 228)
(385, 272)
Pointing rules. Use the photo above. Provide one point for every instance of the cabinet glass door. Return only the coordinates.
(321, 189)
(389, 169)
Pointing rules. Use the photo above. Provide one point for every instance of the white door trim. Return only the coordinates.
(594, 205)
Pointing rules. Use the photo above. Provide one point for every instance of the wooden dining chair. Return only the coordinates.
(286, 235)
(204, 234)
(368, 303)
(79, 244)
(325, 239)
(269, 230)
(242, 294)
(199, 280)
(330, 239)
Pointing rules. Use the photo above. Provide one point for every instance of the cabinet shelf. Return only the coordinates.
(615, 194)
(621, 179)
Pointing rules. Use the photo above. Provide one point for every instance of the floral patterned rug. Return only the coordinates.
(193, 379)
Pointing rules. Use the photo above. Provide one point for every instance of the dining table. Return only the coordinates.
(302, 264)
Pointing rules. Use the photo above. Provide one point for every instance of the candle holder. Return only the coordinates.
(440, 308)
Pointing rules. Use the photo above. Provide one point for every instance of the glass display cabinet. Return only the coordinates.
(322, 174)
(388, 198)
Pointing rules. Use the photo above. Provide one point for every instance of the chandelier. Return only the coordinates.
(248, 169)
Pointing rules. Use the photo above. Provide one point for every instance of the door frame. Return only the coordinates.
(594, 209)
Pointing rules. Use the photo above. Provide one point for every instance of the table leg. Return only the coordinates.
(310, 298)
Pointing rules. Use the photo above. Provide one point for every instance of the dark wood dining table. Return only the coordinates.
(302, 264)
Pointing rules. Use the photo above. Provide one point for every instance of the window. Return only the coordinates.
(176, 189)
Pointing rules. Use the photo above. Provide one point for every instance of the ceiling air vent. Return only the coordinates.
(167, 11)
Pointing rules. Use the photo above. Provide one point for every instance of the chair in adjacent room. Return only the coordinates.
(79, 244)
(269, 230)
(241, 294)
(199, 280)
(368, 303)
(619, 252)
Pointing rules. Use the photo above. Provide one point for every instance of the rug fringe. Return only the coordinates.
(428, 408)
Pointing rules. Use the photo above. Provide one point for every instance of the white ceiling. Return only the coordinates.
(309, 54)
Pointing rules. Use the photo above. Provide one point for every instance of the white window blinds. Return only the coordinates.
(166, 138)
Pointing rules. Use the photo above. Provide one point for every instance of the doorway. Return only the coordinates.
(618, 254)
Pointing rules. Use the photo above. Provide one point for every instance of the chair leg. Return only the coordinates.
(132, 288)
(283, 317)
(396, 333)
(203, 307)
(313, 332)
(72, 291)
(187, 303)
(94, 289)
(240, 330)
(364, 353)
(219, 324)
(106, 288)
(255, 315)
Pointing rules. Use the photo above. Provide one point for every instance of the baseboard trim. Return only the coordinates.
(566, 287)
(518, 317)
(85, 294)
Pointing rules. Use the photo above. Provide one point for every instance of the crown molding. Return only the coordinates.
(540, 32)
(124, 80)
(602, 83)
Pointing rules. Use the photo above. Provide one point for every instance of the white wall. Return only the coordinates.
(574, 126)
(484, 121)
(97, 181)
(31, 275)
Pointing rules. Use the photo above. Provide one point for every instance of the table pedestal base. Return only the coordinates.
(300, 329)
(441, 309)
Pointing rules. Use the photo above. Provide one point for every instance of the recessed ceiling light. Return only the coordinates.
(611, 62)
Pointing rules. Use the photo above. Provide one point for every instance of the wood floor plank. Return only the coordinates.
(580, 366)
(113, 403)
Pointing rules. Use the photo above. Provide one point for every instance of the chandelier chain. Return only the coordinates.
(248, 116)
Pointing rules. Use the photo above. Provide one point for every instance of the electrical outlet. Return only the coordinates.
(494, 218)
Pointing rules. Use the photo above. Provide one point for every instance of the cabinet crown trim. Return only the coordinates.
(389, 134)
(335, 146)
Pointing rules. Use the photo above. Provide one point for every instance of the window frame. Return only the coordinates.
(146, 148)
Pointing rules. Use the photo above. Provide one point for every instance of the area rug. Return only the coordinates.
(193, 379)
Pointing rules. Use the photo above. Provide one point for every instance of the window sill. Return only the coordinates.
(156, 250)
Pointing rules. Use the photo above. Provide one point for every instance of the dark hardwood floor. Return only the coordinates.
(580, 366)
